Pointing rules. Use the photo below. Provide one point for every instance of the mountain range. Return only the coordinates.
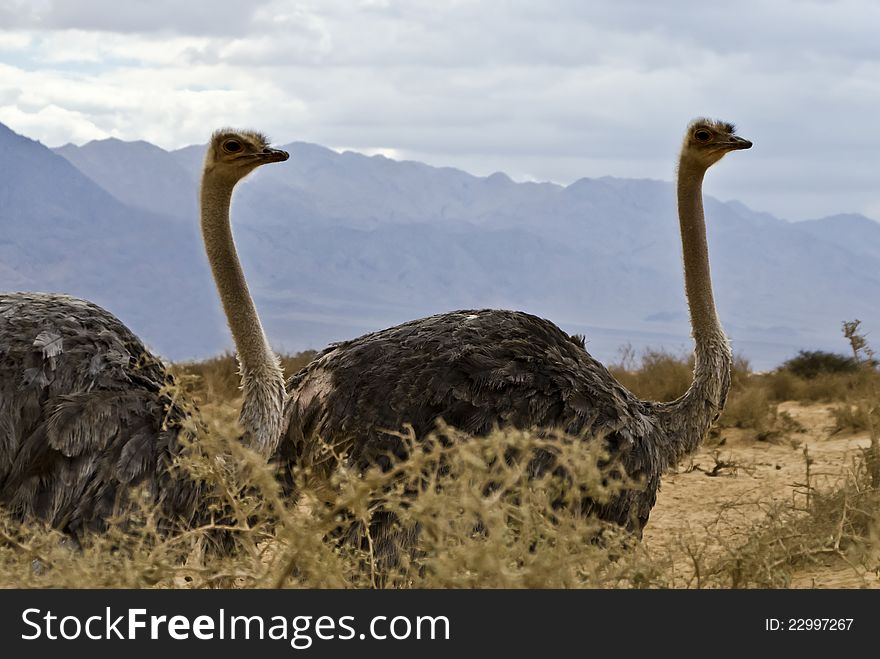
(338, 244)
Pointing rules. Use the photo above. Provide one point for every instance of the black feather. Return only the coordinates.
(81, 417)
(474, 370)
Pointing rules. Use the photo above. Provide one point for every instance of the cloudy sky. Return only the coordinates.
(552, 90)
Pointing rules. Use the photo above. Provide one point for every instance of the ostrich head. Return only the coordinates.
(234, 154)
(707, 140)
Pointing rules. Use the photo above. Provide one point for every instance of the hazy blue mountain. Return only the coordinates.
(61, 232)
(852, 232)
(119, 168)
(338, 244)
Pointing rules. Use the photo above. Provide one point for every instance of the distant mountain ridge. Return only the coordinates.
(118, 167)
(61, 232)
(336, 244)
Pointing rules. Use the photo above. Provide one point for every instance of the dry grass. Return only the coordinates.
(483, 521)
(217, 379)
(754, 397)
(837, 523)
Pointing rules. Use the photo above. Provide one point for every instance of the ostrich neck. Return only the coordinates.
(688, 419)
(697, 277)
(261, 376)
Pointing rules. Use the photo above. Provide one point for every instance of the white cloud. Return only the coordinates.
(393, 154)
(556, 90)
(14, 41)
(54, 125)
(113, 50)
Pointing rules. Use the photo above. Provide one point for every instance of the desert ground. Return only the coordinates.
(697, 510)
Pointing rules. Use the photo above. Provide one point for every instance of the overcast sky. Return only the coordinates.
(552, 90)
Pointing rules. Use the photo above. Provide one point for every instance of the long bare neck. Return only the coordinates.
(695, 250)
(689, 418)
(261, 376)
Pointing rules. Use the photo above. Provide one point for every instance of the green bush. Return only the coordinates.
(810, 363)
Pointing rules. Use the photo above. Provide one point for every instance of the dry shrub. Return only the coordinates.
(752, 401)
(765, 542)
(823, 388)
(850, 417)
(782, 385)
(748, 407)
(662, 375)
(655, 374)
(474, 513)
(484, 519)
(217, 378)
(819, 376)
(840, 523)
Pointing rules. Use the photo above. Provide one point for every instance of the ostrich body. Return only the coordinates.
(84, 410)
(83, 416)
(477, 370)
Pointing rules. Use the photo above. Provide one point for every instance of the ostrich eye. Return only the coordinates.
(232, 146)
(702, 135)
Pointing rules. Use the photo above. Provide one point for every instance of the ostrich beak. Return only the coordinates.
(273, 155)
(736, 143)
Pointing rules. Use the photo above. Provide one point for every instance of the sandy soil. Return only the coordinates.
(701, 512)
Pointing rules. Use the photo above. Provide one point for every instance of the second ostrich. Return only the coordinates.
(84, 413)
(477, 370)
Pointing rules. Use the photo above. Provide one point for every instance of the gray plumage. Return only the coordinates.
(482, 369)
(83, 417)
(477, 370)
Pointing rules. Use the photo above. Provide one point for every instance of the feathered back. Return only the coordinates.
(84, 417)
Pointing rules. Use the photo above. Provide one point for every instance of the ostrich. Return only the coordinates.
(481, 369)
(231, 157)
(84, 413)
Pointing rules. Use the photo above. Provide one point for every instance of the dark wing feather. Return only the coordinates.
(82, 412)
(475, 370)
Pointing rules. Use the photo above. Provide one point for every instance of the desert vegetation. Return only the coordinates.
(486, 521)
